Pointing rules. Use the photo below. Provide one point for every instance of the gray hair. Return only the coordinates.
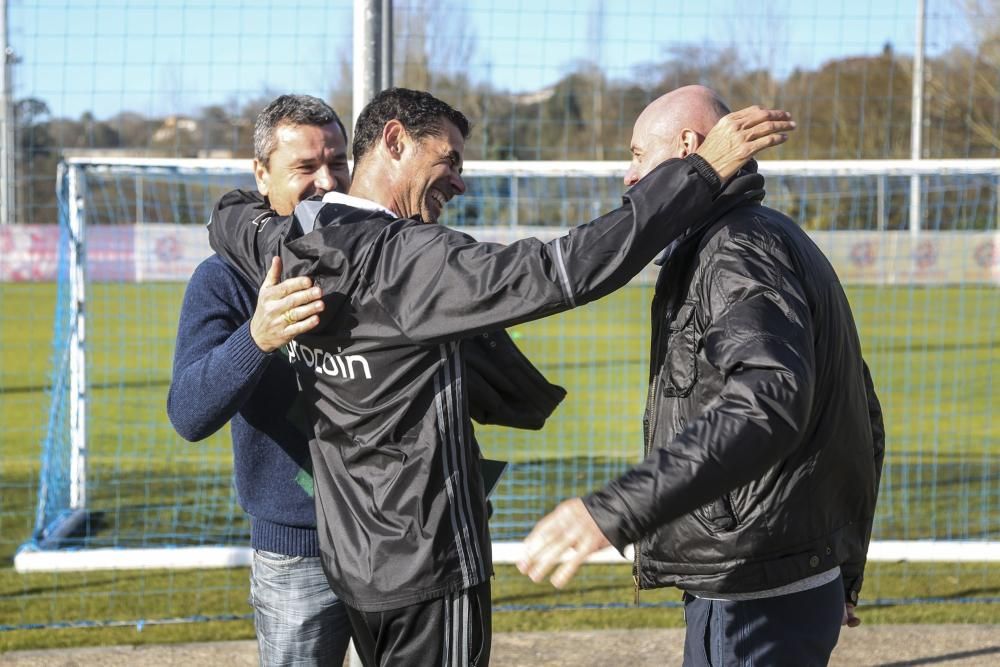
(289, 110)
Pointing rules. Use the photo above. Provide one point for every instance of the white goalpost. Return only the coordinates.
(132, 231)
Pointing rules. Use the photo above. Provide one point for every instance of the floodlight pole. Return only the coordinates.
(372, 73)
(372, 51)
(917, 117)
(7, 120)
(387, 36)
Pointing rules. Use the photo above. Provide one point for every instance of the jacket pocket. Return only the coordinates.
(718, 515)
(274, 559)
(680, 368)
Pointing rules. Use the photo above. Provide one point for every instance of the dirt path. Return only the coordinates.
(890, 645)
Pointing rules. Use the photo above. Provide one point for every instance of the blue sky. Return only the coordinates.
(174, 56)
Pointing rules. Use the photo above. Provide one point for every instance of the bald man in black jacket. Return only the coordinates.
(764, 435)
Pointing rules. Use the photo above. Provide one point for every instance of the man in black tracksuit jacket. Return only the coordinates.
(764, 435)
(400, 504)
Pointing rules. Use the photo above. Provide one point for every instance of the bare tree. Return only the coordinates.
(595, 31)
(760, 41)
(435, 40)
(964, 84)
(983, 23)
(433, 45)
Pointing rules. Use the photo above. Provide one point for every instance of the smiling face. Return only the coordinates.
(307, 160)
(430, 173)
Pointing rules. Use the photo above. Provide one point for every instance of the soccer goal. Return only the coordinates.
(916, 243)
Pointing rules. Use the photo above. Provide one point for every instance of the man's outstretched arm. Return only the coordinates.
(246, 234)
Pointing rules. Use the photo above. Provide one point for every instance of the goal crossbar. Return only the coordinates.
(585, 168)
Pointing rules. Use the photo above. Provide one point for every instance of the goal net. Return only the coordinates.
(916, 244)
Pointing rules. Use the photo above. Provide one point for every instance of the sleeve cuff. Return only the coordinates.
(706, 171)
(609, 521)
(247, 358)
(852, 589)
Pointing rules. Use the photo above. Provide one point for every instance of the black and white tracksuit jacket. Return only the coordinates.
(400, 505)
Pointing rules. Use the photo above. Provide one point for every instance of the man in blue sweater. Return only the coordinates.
(226, 369)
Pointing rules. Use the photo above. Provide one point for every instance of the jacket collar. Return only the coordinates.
(745, 187)
(335, 197)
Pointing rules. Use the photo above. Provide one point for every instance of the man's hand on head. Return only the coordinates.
(284, 309)
(742, 134)
(565, 537)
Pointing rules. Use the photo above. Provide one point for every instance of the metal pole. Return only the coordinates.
(880, 204)
(514, 221)
(367, 51)
(917, 117)
(140, 203)
(7, 147)
(386, 39)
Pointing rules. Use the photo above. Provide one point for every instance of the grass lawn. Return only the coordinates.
(934, 353)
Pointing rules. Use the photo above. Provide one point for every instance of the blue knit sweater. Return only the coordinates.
(221, 375)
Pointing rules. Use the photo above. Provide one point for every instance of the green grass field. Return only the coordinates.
(934, 353)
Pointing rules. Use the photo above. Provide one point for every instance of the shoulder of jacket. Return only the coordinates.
(758, 226)
(242, 203)
(412, 232)
(316, 216)
(239, 196)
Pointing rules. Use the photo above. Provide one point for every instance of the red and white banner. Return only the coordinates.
(169, 252)
(901, 258)
(164, 252)
(863, 258)
(29, 253)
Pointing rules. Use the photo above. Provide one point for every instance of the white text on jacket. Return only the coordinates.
(324, 363)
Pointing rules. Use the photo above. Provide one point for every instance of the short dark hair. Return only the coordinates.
(289, 110)
(421, 114)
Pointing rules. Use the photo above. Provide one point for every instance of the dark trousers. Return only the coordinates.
(451, 631)
(799, 630)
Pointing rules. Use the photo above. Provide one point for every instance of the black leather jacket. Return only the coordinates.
(764, 435)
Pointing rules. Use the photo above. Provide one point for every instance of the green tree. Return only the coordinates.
(35, 162)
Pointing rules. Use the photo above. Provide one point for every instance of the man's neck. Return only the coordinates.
(368, 186)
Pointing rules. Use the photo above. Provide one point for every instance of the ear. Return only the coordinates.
(689, 140)
(395, 139)
(262, 176)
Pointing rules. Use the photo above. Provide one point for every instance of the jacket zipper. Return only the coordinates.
(651, 407)
(650, 430)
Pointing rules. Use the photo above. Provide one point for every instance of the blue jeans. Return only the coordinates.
(299, 621)
(799, 629)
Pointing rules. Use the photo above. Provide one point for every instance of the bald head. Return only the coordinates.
(672, 126)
